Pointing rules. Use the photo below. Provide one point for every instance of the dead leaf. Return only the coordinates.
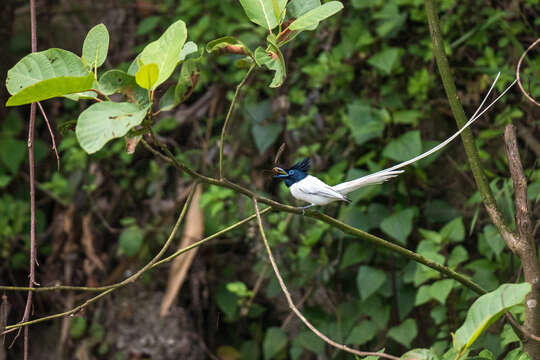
(87, 240)
(131, 143)
(193, 232)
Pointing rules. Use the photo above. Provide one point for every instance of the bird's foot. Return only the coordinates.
(305, 207)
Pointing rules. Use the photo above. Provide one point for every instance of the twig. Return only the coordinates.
(293, 307)
(110, 288)
(51, 133)
(518, 72)
(31, 167)
(228, 118)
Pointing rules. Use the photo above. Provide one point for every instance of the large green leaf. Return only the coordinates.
(385, 60)
(311, 19)
(12, 152)
(419, 354)
(46, 74)
(130, 241)
(369, 280)
(104, 121)
(275, 341)
(487, 309)
(365, 123)
(164, 52)
(262, 13)
(362, 333)
(43, 65)
(297, 8)
(405, 147)
(404, 333)
(50, 88)
(96, 46)
(399, 225)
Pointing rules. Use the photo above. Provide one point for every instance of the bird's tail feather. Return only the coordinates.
(384, 175)
(371, 179)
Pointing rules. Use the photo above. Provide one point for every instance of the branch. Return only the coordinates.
(296, 311)
(518, 71)
(228, 117)
(467, 137)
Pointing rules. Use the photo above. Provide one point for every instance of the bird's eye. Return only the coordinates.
(291, 172)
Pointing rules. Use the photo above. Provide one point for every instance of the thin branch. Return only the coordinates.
(293, 307)
(518, 72)
(31, 166)
(228, 118)
(467, 137)
(50, 133)
(110, 288)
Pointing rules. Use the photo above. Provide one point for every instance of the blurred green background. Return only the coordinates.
(362, 92)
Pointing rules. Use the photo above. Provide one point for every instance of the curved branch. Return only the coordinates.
(518, 68)
(228, 117)
(295, 309)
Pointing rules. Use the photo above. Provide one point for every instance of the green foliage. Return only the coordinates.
(487, 309)
(356, 95)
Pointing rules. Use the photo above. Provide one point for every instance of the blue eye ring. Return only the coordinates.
(291, 172)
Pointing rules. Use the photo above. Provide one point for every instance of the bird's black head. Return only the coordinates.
(294, 174)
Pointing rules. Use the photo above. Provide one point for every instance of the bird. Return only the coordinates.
(314, 191)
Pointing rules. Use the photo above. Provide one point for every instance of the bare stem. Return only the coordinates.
(295, 309)
(228, 118)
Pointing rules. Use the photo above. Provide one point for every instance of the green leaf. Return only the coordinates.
(104, 121)
(369, 280)
(297, 8)
(454, 230)
(404, 333)
(130, 241)
(487, 309)
(353, 254)
(311, 342)
(96, 46)
(44, 65)
(457, 256)
(189, 48)
(164, 52)
(405, 147)
(117, 81)
(419, 354)
(494, 239)
(365, 122)
(406, 117)
(362, 333)
(440, 290)
(274, 61)
(238, 288)
(399, 225)
(385, 60)
(227, 302)
(147, 76)
(50, 88)
(228, 44)
(189, 75)
(265, 135)
(12, 152)
(77, 327)
(312, 18)
(274, 342)
(261, 12)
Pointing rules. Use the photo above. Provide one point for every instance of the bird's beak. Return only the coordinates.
(279, 172)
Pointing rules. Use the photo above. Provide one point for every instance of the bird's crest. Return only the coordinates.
(302, 165)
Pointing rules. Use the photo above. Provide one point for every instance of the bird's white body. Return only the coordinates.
(314, 191)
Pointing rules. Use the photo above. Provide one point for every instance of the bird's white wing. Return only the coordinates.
(314, 191)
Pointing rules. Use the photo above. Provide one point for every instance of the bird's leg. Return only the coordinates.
(305, 207)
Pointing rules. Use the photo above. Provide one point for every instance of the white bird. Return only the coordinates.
(310, 189)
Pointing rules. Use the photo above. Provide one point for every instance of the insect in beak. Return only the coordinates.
(279, 172)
